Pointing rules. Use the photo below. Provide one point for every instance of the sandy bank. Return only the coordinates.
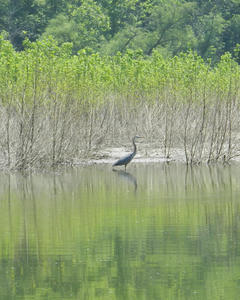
(110, 155)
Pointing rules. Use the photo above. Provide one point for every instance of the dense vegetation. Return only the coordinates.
(57, 107)
(107, 26)
(114, 68)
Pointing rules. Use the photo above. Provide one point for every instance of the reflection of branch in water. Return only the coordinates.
(129, 177)
(9, 206)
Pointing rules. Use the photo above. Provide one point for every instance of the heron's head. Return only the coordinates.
(137, 137)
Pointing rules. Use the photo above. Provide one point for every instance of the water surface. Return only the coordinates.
(158, 231)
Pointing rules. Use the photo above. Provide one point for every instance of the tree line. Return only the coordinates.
(209, 27)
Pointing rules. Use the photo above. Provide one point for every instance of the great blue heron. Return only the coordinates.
(126, 159)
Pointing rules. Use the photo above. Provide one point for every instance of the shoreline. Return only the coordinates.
(110, 155)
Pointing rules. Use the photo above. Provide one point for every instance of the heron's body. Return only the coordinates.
(126, 159)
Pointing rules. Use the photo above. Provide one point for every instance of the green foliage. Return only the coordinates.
(46, 80)
(109, 26)
(120, 12)
(84, 26)
(57, 70)
(21, 19)
(167, 24)
(209, 31)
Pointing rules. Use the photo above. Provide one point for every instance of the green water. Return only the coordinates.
(158, 232)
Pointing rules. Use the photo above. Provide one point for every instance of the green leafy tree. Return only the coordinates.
(120, 12)
(21, 18)
(160, 24)
(27, 18)
(216, 26)
(209, 35)
(84, 26)
(169, 26)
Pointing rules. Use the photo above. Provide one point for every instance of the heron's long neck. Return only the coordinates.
(134, 147)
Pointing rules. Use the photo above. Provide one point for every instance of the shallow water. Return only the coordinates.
(156, 232)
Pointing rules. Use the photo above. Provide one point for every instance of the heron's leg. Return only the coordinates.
(125, 167)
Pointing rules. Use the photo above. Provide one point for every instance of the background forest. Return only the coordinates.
(210, 27)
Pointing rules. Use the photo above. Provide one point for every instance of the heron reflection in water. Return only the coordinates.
(129, 177)
(126, 159)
